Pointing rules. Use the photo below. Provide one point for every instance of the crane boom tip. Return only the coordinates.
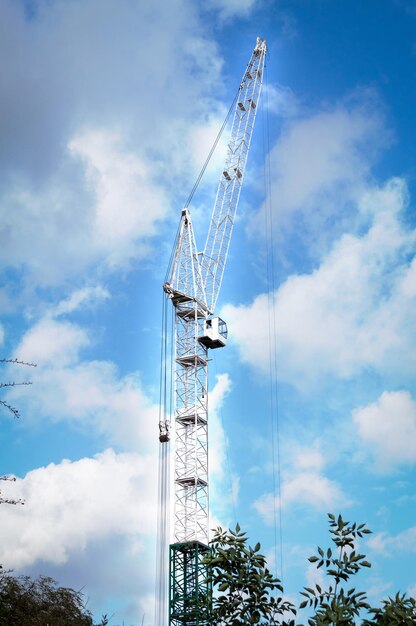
(261, 45)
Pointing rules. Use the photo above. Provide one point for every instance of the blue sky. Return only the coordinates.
(107, 112)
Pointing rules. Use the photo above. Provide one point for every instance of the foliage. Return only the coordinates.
(40, 602)
(335, 605)
(247, 589)
(397, 611)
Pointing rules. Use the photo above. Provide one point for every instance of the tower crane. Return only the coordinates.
(192, 284)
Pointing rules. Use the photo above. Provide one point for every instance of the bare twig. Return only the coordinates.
(18, 362)
(10, 501)
(14, 384)
(11, 408)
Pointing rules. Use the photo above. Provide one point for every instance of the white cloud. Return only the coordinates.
(112, 149)
(71, 504)
(314, 576)
(202, 139)
(90, 393)
(389, 544)
(53, 344)
(303, 489)
(378, 589)
(388, 428)
(110, 221)
(217, 451)
(224, 485)
(81, 297)
(128, 203)
(303, 485)
(355, 311)
(320, 164)
(281, 100)
(309, 459)
(52, 86)
(233, 8)
(313, 489)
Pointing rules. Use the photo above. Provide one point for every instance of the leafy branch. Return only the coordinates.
(334, 605)
(397, 611)
(247, 591)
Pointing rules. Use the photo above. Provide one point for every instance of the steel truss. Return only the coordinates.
(190, 596)
(231, 179)
(192, 283)
(191, 423)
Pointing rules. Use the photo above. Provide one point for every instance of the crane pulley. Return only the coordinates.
(192, 284)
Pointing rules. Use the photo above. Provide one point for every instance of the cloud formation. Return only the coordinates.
(321, 163)
(89, 154)
(52, 84)
(224, 483)
(304, 485)
(73, 503)
(90, 393)
(87, 296)
(388, 544)
(233, 8)
(387, 428)
(353, 312)
(88, 523)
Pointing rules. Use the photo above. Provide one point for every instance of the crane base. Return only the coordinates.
(189, 594)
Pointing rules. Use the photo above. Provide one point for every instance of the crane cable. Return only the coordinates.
(272, 331)
(211, 152)
(198, 180)
(163, 511)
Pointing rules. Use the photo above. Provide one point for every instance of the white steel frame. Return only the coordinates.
(223, 215)
(193, 284)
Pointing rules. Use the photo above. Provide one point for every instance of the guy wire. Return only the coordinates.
(272, 329)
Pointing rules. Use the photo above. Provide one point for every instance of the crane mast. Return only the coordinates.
(192, 284)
